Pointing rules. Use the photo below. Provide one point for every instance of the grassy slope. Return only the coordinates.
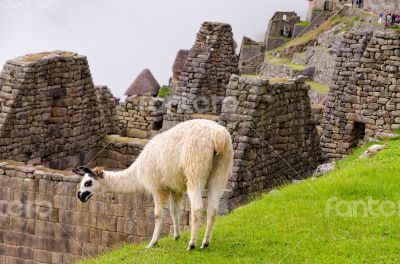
(313, 34)
(286, 61)
(291, 225)
(319, 87)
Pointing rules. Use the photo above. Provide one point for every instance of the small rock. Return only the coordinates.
(324, 168)
(386, 135)
(297, 181)
(371, 151)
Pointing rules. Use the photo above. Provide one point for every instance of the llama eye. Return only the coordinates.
(88, 184)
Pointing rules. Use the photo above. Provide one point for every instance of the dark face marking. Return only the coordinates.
(84, 197)
(88, 183)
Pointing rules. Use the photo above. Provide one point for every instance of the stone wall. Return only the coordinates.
(382, 6)
(363, 102)
(276, 26)
(108, 112)
(251, 56)
(299, 30)
(141, 116)
(118, 152)
(318, 18)
(206, 72)
(264, 118)
(284, 71)
(42, 220)
(275, 42)
(49, 109)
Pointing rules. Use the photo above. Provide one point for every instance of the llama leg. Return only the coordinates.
(214, 194)
(174, 203)
(159, 203)
(216, 184)
(196, 205)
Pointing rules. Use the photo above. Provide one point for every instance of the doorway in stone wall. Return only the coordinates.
(358, 133)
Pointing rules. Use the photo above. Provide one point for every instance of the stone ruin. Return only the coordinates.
(364, 101)
(280, 29)
(50, 112)
(385, 6)
(328, 6)
(141, 114)
(52, 92)
(177, 68)
(274, 139)
(206, 72)
(252, 54)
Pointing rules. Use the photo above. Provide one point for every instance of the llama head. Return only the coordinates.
(90, 183)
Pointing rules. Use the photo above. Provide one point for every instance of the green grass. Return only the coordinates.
(319, 87)
(395, 28)
(295, 225)
(284, 61)
(164, 91)
(281, 37)
(313, 34)
(271, 80)
(318, 10)
(303, 23)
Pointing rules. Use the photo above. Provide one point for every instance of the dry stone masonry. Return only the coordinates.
(42, 221)
(280, 29)
(205, 74)
(251, 56)
(365, 98)
(108, 111)
(49, 109)
(141, 116)
(270, 124)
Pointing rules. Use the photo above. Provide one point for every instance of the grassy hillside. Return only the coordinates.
(326, 220)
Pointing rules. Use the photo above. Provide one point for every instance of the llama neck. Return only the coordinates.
(124, 181)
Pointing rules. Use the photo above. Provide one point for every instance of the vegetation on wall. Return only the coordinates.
(164, 91)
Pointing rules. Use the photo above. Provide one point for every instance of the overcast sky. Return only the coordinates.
(122, 37)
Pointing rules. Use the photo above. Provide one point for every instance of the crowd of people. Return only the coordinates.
(391, 19)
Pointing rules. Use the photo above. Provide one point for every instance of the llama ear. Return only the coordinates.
(82, 170)
(98, 172)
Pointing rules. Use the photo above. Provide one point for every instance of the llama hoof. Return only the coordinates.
(177, 237)
(191, 247)
(151, 245)
(205, 245)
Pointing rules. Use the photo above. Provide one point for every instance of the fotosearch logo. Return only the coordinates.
(31, 209)
(14, 4)
(363, 208)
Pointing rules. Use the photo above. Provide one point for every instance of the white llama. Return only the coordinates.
(193, 155)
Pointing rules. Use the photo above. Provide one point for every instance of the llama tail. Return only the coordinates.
(222, 165)
(222, 142)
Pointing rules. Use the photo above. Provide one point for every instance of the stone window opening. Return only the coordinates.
(359, 133)
(284, 17)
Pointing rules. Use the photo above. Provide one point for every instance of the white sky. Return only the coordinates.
(121, 37)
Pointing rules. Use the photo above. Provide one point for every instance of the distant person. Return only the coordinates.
(380, 18)
(285, 32)
(388, 19)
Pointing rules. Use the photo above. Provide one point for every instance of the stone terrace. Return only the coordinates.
(364, 101)
(49, 109)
